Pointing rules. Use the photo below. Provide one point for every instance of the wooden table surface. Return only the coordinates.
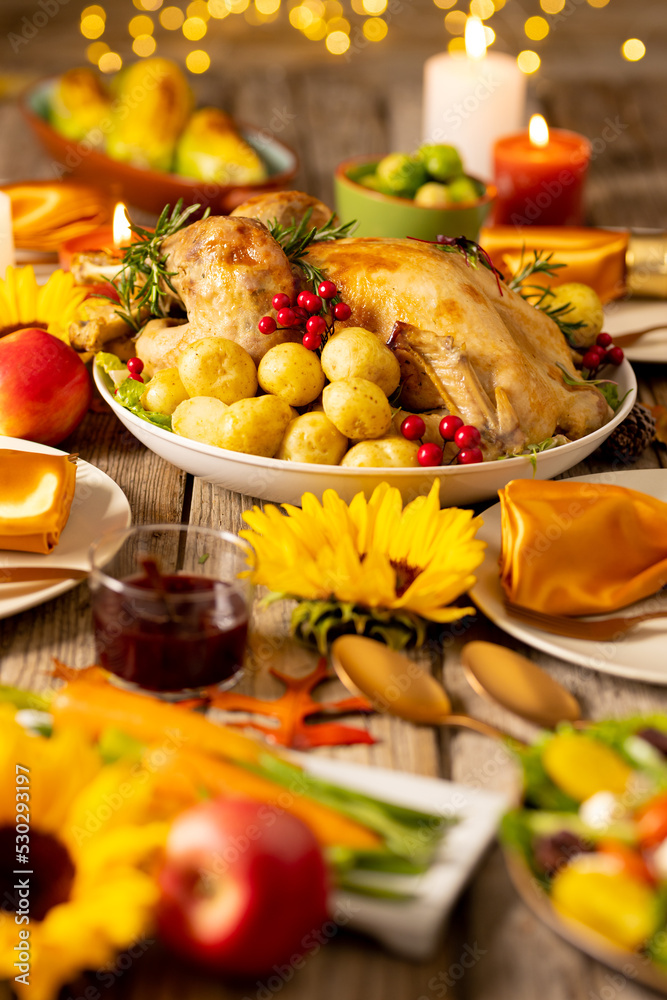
(517, 958)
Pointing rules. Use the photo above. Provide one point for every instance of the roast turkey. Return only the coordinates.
(464, 340)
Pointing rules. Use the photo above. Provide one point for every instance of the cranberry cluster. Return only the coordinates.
(602, 352)
(316, 312)
(465, 437)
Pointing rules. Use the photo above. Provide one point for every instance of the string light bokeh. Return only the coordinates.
(326, 22)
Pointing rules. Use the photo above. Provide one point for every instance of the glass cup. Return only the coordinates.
(170, 608)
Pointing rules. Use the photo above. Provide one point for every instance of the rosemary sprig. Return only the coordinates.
(143, 276)
(296, 239)
(539, 295)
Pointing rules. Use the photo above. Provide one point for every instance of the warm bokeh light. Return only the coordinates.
(489, 35)
(552, 6)
(482, 9)
(457, 47)
(267, 7)
(198, 8)
(374, 7)
(475, 39)
(598, 3)
(499, 4)
(218, 8)
(142, 24)
(198, 61)
(332, 8)
(375, 29)
(144, 45)
(148, 4)
(445, 4)
(171, 18)
(633, 49)
(528, 61)
(94, 10)
(338, 24)
(92, 26)
(95, 51)
(337, 43)
(237, 6)
(538, 131)
(536, 28)
(455, 22)
(316, 30)
(110, 62)
(194, 28)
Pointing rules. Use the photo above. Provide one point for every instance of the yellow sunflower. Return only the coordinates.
(24, 303)
(372, 564)
(91, 850)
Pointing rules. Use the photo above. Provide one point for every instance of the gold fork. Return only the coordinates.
(575, 628)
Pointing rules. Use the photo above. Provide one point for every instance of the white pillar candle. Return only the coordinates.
(470, 102)
(6, 235)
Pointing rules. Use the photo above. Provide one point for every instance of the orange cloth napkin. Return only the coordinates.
(580, 548)
(36, 493)
(595, 257)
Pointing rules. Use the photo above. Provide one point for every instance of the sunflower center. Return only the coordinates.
(52, 872)
(405, 576)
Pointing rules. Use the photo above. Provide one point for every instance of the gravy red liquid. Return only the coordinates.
(194, 639)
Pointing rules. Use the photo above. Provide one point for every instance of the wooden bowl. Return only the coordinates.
(147, 189)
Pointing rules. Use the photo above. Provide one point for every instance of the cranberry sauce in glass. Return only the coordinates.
(177, 631)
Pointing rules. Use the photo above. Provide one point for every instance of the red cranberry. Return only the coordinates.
(316, 324)
(286, 317)
(470, 456)
(429, 454)
(603, 340)
(614, 356)
(467, 436)
(449, 426)
(326, 289)
(413, 427)
(281, 301)
(311, 341)
(135, 366)
(342, 311)
(267, 324)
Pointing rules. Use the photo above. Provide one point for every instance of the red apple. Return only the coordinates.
(243, 887)
(45, 388)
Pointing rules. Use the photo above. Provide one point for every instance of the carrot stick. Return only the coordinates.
(94, 707)
(331, 828)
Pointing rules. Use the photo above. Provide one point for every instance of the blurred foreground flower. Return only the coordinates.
(372, 567)
(24, 303)
(90, 853)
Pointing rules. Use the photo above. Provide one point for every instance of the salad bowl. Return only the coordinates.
(286, 482)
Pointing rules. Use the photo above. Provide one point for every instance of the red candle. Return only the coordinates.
(540, 176)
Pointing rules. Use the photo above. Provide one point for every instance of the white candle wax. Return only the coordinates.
(469, 103)
(6, 235)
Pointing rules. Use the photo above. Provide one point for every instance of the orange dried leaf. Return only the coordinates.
(660, 414)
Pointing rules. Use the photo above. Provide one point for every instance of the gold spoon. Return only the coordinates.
(518, 684)
(394, 684)
(397, 685)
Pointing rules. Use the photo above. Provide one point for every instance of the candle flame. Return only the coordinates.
(475, 38)
(538, 131)
(122, 234)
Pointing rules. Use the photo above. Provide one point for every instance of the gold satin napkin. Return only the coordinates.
(580, 548)
(36, 493)
(595, 257)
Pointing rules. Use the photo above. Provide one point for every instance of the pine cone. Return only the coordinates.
(632, 436)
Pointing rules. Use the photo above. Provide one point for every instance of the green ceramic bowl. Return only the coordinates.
(383, 215)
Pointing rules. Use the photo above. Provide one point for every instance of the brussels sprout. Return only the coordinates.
(441, 162)
(432, 195)
(462, 189)
(373, 182)
(401, 174)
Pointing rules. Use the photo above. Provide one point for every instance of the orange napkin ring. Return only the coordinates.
(580, 548)
(36, 493)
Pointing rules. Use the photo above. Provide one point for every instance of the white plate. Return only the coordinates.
(412, 928)
(286, 482)
(99, 505)
(640, 655)
(638, 314)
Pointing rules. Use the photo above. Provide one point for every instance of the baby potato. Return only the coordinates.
(198, 418)
(357, 407)
(355, 352)
(312, 438)
(387, 453)
(585, 308)
(215, 366)
(254, 426)
(292, 373)
(164, 392)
